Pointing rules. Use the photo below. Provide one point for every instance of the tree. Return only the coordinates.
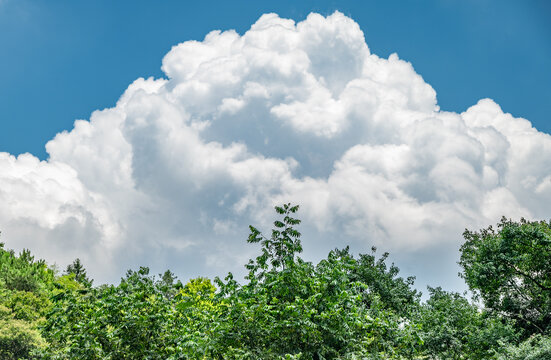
(394, 292)
(290, 308)
(510, 270)
(536, 347)
(78, 270)
(281, 248)
(19, 339)
(453, 328)
(25, 288)
(134, 320)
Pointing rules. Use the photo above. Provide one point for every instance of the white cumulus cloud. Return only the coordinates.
(287, 112)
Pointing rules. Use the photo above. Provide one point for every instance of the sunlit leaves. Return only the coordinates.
(343, 307)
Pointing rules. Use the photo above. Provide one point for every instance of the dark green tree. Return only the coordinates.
(79, 272)
(509, 268)
(395, 292)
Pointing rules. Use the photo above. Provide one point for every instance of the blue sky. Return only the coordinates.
(183, 139)
(61, 60)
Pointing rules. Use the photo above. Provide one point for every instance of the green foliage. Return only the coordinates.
(199, 313)
(395, 293)
(79, 273)
(536, 347)
(23, 273)
(453, 328)
(134, 320)
(343, 307)
(19, 339)
(26, 305)
(510, 270)
(280, 249)
(25, 286)
(291, 308)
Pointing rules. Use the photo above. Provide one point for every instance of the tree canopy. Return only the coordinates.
(509, 268)
(343, 307)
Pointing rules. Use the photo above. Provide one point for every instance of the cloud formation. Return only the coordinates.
(287, 112)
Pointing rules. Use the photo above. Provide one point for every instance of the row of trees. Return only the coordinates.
(343, 307)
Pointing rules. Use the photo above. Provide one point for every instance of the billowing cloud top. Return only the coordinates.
(288, 112)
